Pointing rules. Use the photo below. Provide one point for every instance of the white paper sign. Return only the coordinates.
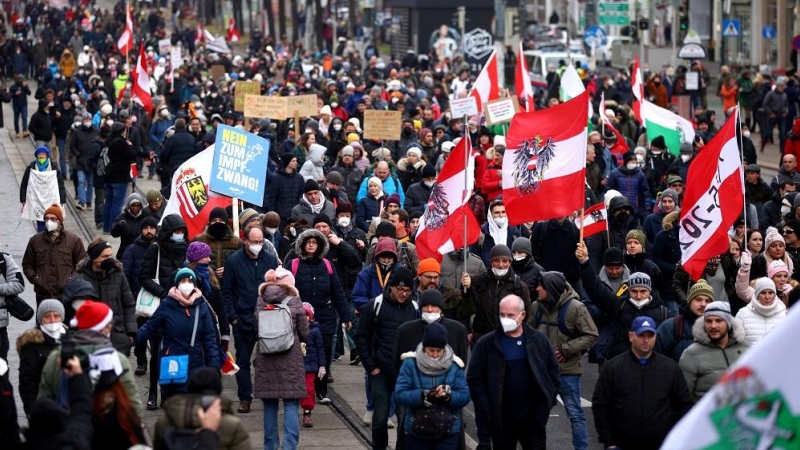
(692, 81)
(164, 46)
(175, 58)
(500, 111)
(461, 107)
(42, 192)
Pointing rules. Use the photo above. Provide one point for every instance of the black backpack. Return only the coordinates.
(561, 321)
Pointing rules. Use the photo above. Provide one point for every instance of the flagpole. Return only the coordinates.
(583, 223)
(466, 187)
(741, 160)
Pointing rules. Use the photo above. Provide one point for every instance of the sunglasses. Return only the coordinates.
(788, 231)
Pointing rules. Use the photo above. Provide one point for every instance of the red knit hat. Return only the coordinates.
(92, 316)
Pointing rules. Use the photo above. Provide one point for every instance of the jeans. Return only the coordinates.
(449, 442)
(20, 112)
(570, 393)
(291, 424)
(62, 161)
(382, 392)
(85, 187)
(115, 198)
(244, 341)
(370, 403)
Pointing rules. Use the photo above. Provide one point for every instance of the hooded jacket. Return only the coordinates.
(758, 320)
(283, 192)
(633, 185)
(667, 251)
(112, 289)
(313, 168)
(617, 231)
(165, 256)
(553, 245)
(33, 348)
(126, 225)
(315, 286)
(583, 332)
(703, 363)
(41, 125)
(282, 375)
(80, 146)
(232, 432)
(368, 285)
(120, 155)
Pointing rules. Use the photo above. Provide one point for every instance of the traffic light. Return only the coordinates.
(684, 23)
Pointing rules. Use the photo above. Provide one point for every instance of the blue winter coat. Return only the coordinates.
(411, 382)
(314, 357)
(283, 192)
(367, 286)
(240, 284)
(390, 186)
(158, 132)
(633, 185)
(175, 323)
(132, 262)
(652, 226)
(367, 208)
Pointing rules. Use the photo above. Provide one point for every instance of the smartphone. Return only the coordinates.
(206, 401)
(67, 352)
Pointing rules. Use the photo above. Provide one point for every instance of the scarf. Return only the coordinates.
(185, 302)
(768, 311)
(42, 167)
(500, 235)
(201, 270)
(434, 366)
(316, 209)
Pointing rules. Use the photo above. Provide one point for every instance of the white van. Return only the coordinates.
(538, 61)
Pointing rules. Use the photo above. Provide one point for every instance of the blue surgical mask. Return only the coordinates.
(177, 237)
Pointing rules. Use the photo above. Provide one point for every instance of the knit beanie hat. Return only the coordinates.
(287, 158)
(246, 216)
(56, 211)
(721, 310)
(771, 238)
(197, 250)
(309, 310)
(700, 288)
(640, 280)
(671, 194)
(153, 196)
(429, 265)
(431, 297)
(310, 186)
(271, 220)
(402, 277)
(393, 199)
(762, 284)
(776, 267)
(92, 316)
(49, 305)
(279, 276)
(612, 257)
(521, 245)
(500, 251)
(184, 273)
(659, 142)
(435, 336)
(148, 221)
(41, 149)
(218, 213)
(334, 177)
(322, 218)
(638, 235)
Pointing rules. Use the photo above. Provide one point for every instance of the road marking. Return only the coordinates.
(584, 403)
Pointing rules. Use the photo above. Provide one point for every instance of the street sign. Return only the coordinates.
(768, 32)
(731, 28)
(613, 13)
(692, 38)
(796, 43)
(594, 37)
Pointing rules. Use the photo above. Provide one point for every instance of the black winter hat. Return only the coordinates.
(386, 229)
(148, 221)
(500, 251)
(322, 218)
(428, 171)
(431, 297)
(286, 158)
(613, 257)
(218, 213)
(435, 336)
(402, 277)
(310, 185)
(659, 142)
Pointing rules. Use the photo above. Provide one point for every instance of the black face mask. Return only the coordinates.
(218, 230)
(519, 266)
(107, 265)
(622, 217)
(598, 148)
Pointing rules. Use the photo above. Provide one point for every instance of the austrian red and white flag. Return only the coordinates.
(522, 81)
(441, 228)
(189, 193)
(545, 162)
(140, 90)
(637, 85)
(487, 85)
(125, 42)
(713, 199)
(594, 220)
(233, 33)
(199, 34)
(621, 146)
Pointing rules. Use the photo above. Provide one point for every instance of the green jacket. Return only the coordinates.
(583, 332)
(86, 343)
(232, 432)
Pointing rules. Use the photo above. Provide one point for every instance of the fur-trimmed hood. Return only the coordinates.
(300, 242)
(456, 360)
(669, 221)
(404, 166)
(289, 289)
(737, 332)
(32, 336)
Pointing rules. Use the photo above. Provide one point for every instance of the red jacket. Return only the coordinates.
(480, 167)
(792, 145)
(491, 181)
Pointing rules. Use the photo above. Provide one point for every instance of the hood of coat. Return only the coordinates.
(32, 336)
(135, 197)
(316, 154)
(670, 220)
(85, 265)
(78, 288)
(170, 223)
(275, 292)
(300, 243)
(736, 332)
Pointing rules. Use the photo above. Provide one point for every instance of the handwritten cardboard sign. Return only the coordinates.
(305, 105)
(241, 90)
(501, 111)
(259, 106)
(379, 124)
(466, 106)
(217, 72)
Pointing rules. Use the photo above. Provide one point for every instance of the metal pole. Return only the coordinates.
(466, 186)
(676, 28)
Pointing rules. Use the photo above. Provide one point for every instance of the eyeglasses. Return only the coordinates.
(674, 185)
(788, 231)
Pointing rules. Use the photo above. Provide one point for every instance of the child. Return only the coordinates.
(314, 361)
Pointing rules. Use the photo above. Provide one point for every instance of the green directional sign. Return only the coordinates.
(613, 13)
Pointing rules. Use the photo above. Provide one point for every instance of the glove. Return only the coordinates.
(786, 289)
(122, 223)
(321, 372)
(419, 165)
(224, 343)
(745, 260)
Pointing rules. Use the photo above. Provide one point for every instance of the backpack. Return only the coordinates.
(296, 264)
(275, 328)
(561, 323)
(103, 161)
(376, 306)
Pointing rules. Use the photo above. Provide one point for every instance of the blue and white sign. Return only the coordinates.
(594, 36)
(240, 165)
(769, 32)
(731, 28)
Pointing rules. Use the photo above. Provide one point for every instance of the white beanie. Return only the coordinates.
(763, 284)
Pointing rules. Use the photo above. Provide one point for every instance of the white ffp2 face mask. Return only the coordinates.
(508, 324)
(499, 272)
(54, 330)
(430, 317)
(186, 289)
(255, 248)
(501, 221)
(51, 225)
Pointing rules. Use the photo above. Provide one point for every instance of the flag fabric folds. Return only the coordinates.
(594, 220)
(522, 81)
(663, 122)
(713, 200)
(189, 193)
(486, 87)
(140, 90)
(545, 162)
(125, 42)
(638, 90)
(233, 34)
(441, 228)
(621, 145)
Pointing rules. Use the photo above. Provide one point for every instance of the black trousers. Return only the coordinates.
(321, 386)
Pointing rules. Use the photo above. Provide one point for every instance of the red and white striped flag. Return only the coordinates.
(544, 165)
(522, 80)
(594, 220)
(637, 85)
(140, 90)
(125, 43)
(714, 199)
(199, 35)
(486, 87)
(233, 33)
(441, 228)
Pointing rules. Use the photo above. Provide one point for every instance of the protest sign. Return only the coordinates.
(175, 58)
(217, 72)
(259, 106)
(42, 192)
(302, 105)
(241, 90)
(164, 46)
(380, 124)
(466, 106)
(240, 165)
(501, 111)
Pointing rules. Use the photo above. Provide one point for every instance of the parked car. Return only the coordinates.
(538, 61)
(604, 53)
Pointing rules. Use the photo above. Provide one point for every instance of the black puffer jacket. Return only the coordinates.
(80, 146)
(635, 405)
(483, 299)
(617, 231)
(172, 257)
(282, 193)
(126, 225)
(120, 155)
(529, 271)
(375, 336)
(33, 348)
(417, 197)
(132, 263)
(619, 309)
(317, 287)
(113, 290)
(177, 150)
